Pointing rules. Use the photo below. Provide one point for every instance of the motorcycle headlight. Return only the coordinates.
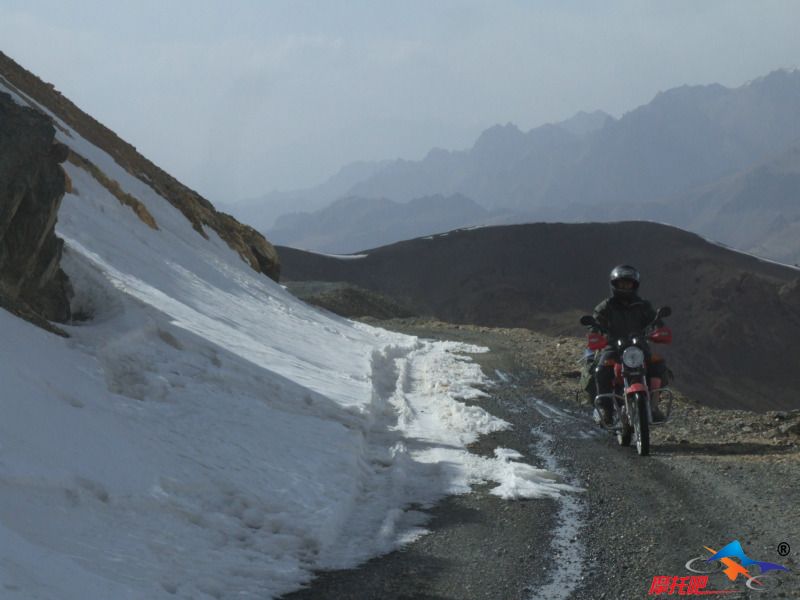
(633, 357)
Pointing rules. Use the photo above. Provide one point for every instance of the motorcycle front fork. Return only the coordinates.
(627, 401)
(622, 404)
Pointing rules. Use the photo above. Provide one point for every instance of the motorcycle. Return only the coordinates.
(630, 398)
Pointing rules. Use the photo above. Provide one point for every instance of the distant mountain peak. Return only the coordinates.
(777, 75)
(583, 123)
(498, 134)
(438, 153)
(689, 92)
(685, 137)
(777, 83)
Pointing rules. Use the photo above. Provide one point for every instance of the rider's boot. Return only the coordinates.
(604, 383)
(606, 412)
(655, 397)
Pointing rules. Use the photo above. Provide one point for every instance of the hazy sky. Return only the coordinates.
(240, 97)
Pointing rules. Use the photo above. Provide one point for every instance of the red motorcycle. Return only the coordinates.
(632, 418)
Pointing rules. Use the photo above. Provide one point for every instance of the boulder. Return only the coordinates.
(32, 184)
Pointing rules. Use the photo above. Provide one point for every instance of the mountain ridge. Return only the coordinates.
(642, 165)
(351, 223)
(766, 94)
(543, 276)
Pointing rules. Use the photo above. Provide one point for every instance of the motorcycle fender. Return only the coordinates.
(636, 387)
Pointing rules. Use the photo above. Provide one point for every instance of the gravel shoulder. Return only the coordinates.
(713, 477)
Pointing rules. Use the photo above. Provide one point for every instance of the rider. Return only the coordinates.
(620, 315)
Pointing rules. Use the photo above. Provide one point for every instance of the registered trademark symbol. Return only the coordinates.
(784, 549)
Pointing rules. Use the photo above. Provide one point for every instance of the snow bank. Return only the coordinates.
(207, 435)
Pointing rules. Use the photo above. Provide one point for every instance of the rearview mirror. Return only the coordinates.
(664, 311)
(587, 320)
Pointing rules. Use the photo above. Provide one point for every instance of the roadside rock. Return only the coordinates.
(348, 300)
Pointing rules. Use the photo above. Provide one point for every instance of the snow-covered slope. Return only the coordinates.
(205, 434)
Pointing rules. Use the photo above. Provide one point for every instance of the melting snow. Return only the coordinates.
(207, 435)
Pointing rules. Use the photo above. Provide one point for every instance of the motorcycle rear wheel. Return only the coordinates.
(641, 425)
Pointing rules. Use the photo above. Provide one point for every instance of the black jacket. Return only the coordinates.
(620, 319)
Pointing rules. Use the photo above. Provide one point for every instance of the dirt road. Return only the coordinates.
(713, 477)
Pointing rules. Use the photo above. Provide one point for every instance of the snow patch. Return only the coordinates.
(566, 548)
(204, 434)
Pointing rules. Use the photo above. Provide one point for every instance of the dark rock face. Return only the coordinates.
(32, 184)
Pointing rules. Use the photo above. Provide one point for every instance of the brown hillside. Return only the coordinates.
(251, 245)
(735, 317)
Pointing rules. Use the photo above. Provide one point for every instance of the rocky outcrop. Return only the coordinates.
(248, 243)
(348, 301)
(32, 184)
(113, 188)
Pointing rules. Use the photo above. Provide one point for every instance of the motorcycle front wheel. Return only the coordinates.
(641, 425)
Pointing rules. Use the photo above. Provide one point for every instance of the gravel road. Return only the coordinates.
(713, 477)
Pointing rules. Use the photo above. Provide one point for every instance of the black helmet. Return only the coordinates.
(624, 273)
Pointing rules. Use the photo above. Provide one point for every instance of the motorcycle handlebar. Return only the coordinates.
(662, 312)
